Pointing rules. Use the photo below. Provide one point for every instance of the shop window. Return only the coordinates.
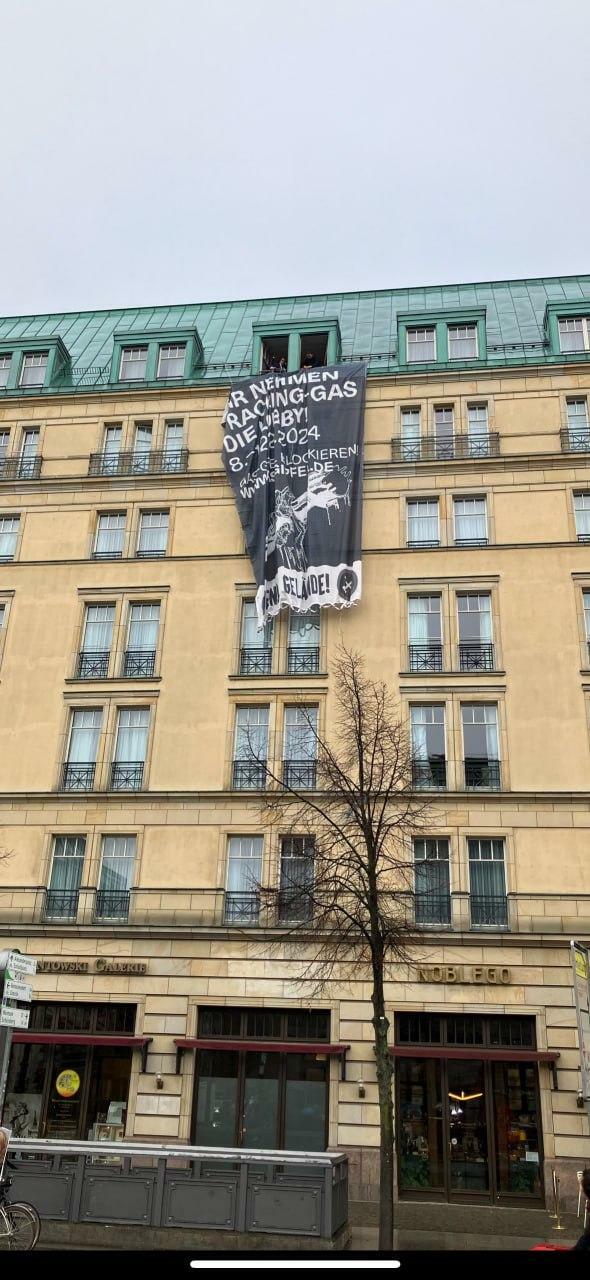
(263, 1024)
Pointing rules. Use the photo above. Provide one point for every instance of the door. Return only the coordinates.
(468, 1166)
(67, 1092)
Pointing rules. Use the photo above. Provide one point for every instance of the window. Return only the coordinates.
(480, 745)
(425, 633)
(578, 430)
(4, 442)
(116, 877)
(93, 659)
(110, 535)
(174, 456)
(244, 873)
(428, 746)
(256, 646)
(133, 363)
(296, 878)
(471, 522)
(78, 771)
(411, 430)
(67, 862)
(443, 431)
(478, 435)
(250, 748)
(28, 467)
(432, 882)
(130, 749)
(581, 512)
(476, 650)
(423, 523)
(33, 369)
(420, 345)
(300, 747)
(303, 653)
(153, 534)
(9, 526)
(141, 447)
(586, 603)
(111, 450)
(487, 882)
(171, 360)
(142, 640)
(574, 334)
(5, 362)
(275, 354)
(462, 340)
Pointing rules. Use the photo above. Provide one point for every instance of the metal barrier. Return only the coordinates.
(224, 1189)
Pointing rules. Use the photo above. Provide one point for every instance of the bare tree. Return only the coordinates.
(347, 811)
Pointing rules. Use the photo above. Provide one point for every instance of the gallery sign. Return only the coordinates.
(92, 966)
(293, 454)
(480, 974)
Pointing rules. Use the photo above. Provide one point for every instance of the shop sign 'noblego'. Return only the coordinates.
(293, 453)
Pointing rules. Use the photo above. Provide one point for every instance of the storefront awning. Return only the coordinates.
(71, 1037)
(476, 1051)
(265, 1046)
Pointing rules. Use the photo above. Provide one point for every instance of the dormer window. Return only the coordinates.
(306, 344)
(33, 369)
(574, 333)
(275, 353)
(171, 360)
(421, 345)
(462, 340)
(133, 364)
(5, 362)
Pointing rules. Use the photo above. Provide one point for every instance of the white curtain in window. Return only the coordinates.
(173, 440)
(84, 736)
(470, 519)
(118, 857)
(487, 877)
(424, 619)
(144, 621)
(132, 734)
(142, 446)
(112, 440)
(244, 864)
(300, 733)
(475, 618)
(251, 733)
(251, 637)
(30, 444)
(304, 629)
(153, 532)
(110, 532)
(67, 863)
(582, 511)
(410, 433)
(423, 521)
(8, 536)
(419, 734)
(98, 632)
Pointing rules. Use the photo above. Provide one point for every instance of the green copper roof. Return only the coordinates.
(514, 311)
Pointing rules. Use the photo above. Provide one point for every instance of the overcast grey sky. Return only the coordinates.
(160, 151)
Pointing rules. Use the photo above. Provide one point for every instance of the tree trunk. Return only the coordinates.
(385, 1093)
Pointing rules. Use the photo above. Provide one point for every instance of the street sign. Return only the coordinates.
(18, 965)
(10, 1017)
(14, 990)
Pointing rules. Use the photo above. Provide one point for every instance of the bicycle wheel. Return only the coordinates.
(23, 1226)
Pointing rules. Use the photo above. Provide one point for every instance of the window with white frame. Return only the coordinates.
(487, 882)
(428, 746)
(481, 748)
(432, 883)
(2, 616)
(5, 362)
(303, 645)
(142, 444)
(255, 644)
(130, 748)
(173, 442)
(586, 603)
(111, 449)
(423, 522)
(425, 633)
(411, 433)
(478, 435)
(27, 467)
(117, 863)
(444, 428)
(93, 659)
(578, 429)
(300, 746)
(296, 878)
(4, 442)
(110, 535)
(243, 878)
(582, 516)
(67, 864)
(84, 736)
(420, 344)
(474, 614)
(9, 526)
(142, 639)
(33, 369)
(133, 364)
(574, 333)
(171, 360)
(462, 340)
(471, 521)
(250, 748)
(153, 534)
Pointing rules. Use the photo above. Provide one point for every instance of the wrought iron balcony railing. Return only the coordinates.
(127, 775)
(474, 656)
(575, 439)
(422, 544)
(93, 664)
(61, 904)
(294, 907)
(150, 553)
(139, 663)
(430, 449)
(432, 908)
(489, 909)
(482, 774)
(78, 777)
(431, 773)
(108, 553)
(130, 462)
(300, 774)
(20, 468)
(241, 908)
(303, 660)
(460, 541)
(249, 775)
(255, 661)
(112, 904)
(425, 657)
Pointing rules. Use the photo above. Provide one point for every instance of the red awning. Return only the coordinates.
(473, 1051)
(68, 1037)
(266, 1046)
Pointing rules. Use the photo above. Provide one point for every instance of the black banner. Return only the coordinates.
(293, 453)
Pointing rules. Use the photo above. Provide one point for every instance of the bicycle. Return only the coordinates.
(20, 1223)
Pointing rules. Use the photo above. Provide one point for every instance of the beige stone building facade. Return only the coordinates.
(129, 666)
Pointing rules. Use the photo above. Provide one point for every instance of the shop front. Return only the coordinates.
(467, 1108)
(69, 1073)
